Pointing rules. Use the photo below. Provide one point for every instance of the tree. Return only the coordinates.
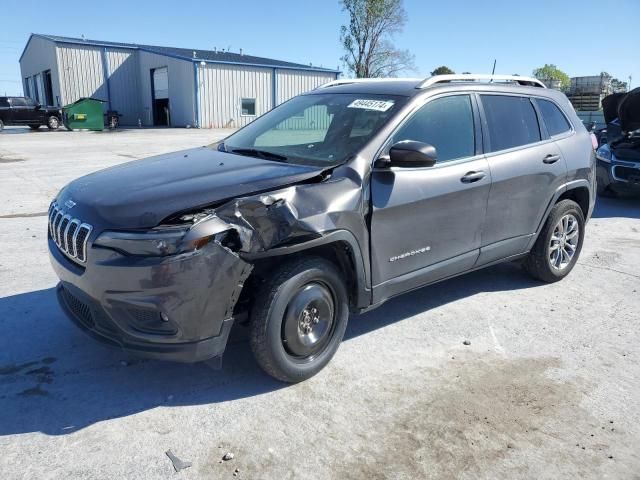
(367, 40)
(549, 73)
(443, 70)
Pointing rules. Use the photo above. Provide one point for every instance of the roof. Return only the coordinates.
(209, 56)
(389, 86)
(409, 87)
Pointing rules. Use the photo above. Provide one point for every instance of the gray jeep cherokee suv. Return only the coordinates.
(331, 203)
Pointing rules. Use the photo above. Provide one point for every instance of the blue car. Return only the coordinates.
(619, 160)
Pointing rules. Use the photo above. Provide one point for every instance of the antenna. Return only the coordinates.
(494, 67)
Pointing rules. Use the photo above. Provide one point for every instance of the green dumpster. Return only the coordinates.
(84, 114)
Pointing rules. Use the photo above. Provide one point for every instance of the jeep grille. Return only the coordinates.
(69, 234)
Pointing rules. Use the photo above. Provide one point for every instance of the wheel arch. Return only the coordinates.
(339, 246)
(580, 191)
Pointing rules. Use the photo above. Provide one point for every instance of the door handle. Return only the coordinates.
(471, 177)
(551, 158)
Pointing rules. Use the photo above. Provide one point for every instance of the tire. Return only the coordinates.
(298, 319)
(34, 127)
(53, 122)
(550, 264)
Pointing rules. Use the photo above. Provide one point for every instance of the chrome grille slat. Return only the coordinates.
(69, 234)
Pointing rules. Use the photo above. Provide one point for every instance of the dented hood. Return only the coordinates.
(142, 193)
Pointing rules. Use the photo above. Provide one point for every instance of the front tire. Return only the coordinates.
(559, 244)
(299, 318)
(53, 123)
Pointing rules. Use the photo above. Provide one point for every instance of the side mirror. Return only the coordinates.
(409, 153)
(38, 105)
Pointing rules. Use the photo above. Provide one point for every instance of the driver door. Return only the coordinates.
(427, 222)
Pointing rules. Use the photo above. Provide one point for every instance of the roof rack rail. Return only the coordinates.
(486, 78)
(347, 81)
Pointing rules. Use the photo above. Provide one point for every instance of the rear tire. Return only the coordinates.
(53, 123)
(299, 318)
(559, 244)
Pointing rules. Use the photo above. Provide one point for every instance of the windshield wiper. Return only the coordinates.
(252, 152)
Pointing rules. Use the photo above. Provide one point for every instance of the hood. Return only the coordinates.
(142, 193)
(625, 107)
(629, 111)
(610, 106)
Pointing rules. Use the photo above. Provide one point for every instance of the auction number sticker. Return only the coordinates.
(378, 105)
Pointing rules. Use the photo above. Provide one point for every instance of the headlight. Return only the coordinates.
(169, 241)
(153, 243)
(604, 153)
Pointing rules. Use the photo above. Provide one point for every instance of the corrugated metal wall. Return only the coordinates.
(221, 89)
(294, 82)
(81, 73)
(181, 88)
(39, 56)
(124, 88)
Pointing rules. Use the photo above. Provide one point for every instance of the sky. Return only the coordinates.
(580, 37)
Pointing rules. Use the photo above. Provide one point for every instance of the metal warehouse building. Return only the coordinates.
(163, 85)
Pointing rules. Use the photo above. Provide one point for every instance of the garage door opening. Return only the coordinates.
(160, 96)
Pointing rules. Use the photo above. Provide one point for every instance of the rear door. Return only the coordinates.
(19, 111)
(527, 167)
(426, 222)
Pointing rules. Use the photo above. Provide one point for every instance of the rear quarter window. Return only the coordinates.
(511, 120)
(553, 118)
(4, 102)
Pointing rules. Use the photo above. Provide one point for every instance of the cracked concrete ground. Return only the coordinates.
(547, 388)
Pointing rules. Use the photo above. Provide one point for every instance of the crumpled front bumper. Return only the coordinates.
(177, 308)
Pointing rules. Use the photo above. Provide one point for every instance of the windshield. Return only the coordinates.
(315, 129)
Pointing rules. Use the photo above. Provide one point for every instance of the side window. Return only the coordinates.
(18, 102)
(512, 121)
(553, 118)
(4, 102)
(446, 123)
(29, 102)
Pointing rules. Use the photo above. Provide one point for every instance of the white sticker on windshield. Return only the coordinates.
(378, 105)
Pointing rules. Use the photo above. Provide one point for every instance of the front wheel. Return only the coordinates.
(53, 123)
(299, 318)
(558, 246)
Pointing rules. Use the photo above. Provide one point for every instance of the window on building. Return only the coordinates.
(446, 123)
(553, 118)
(27, 89)
(512, 121)
(248, 107)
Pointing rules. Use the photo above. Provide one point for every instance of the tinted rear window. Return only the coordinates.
(4, 102)
(553, 118)
(512, 121)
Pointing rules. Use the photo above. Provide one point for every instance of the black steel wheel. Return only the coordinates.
(299, 318)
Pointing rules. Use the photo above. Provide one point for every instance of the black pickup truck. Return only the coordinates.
(25, 111)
